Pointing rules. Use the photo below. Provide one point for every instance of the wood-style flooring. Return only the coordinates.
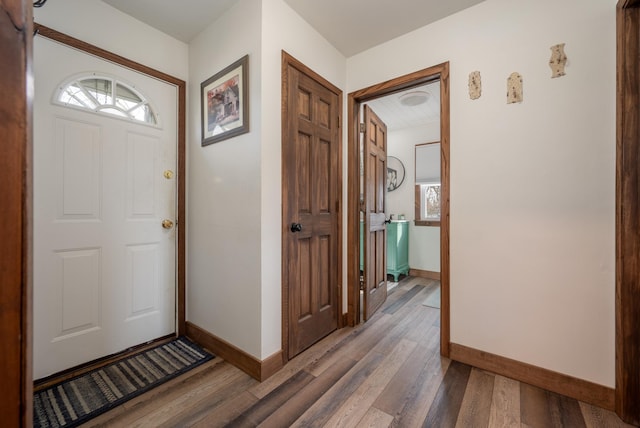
(387, 372)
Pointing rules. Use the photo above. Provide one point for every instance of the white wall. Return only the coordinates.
(235, 201)
(424, 241)
(283, 29)
(532, 184)
(223, 254)
(98, 23)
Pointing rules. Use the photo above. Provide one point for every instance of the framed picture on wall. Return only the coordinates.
(225, 103)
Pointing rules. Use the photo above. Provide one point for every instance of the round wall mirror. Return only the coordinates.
(395, 173)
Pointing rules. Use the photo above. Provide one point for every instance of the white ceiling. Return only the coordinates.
(352, 26)
(398, 116)
(182, 19)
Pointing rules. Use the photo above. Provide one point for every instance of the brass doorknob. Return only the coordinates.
(167, 224)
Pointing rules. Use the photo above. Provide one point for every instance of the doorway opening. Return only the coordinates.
(438, 73)
(411, 192)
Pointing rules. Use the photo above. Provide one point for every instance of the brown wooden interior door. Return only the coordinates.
(375, 246)
(310, 209)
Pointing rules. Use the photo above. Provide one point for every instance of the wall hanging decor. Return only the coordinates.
(514, 88)
(558, 60)
(225, 103)
(395, 173)
(475, 85)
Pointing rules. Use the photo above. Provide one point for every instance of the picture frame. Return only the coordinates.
(225, 103)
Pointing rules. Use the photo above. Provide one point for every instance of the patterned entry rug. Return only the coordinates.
(75, 401)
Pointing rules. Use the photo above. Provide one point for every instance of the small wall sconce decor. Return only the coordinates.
(475, 85)
(558, 60)
(514, 88)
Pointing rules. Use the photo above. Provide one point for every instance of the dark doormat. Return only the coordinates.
(75, 401)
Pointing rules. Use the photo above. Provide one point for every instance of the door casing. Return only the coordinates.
(355, 99)
(627, 211)
(16, 378)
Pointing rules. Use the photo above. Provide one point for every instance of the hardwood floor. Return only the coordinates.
(387, 372)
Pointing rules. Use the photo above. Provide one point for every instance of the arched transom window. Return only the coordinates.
(108, 96)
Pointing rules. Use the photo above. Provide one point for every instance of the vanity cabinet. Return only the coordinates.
(398, 248)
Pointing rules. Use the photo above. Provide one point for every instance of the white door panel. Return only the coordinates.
(104, 267)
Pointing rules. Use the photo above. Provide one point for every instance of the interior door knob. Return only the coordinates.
(296, 227)
(167, 224)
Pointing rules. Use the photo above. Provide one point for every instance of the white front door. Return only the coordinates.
(104, 265)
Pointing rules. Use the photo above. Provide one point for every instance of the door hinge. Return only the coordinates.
(362, 127)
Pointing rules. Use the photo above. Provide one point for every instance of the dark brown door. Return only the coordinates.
(375, 244)
(311, 206)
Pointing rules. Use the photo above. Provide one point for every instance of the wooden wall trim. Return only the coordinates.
(441, 72)
(353, 213)
(579, 389)
(627, 4)
(401, 83)
(65, 39)
(427, 274)
(257, 369)
(181, 148)
(16, 88)
(271, 365)
(627, 213)
(445, 192)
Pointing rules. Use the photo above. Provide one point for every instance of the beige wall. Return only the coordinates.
(532, 184)
(223, 200)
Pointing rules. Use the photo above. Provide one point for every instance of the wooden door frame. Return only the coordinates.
(287, 61)
(16, 29)
(627, 300)
(355, 99)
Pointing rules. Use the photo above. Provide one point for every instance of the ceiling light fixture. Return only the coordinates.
(414, 98)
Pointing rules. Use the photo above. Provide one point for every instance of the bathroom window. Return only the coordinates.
(107, 96)
(430, 201)
(428, 184)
